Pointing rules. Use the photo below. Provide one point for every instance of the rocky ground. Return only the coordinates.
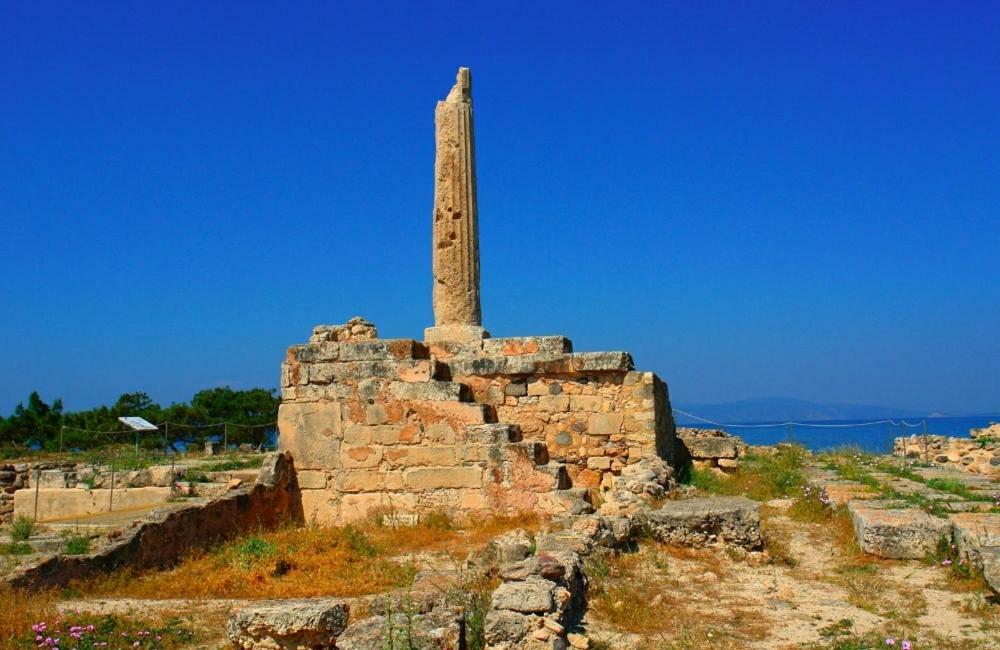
(787, 551)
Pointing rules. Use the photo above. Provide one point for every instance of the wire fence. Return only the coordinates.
(111, 461)
(786, 431)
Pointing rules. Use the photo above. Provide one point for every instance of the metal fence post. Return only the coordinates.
(61, 430)
(225, 437)
(111, 494)
(927, 451)
(38, 484)
(791, 433)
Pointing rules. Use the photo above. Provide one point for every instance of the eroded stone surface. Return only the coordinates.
(288, 624)
(695, 522)
(893, 532)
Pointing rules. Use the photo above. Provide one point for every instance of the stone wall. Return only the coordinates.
(979, 455)
(166, 534)
(490, 426)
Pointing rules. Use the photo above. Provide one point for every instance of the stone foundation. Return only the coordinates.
(980, 455)
(492, 426)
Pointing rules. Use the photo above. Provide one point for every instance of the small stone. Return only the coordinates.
(578, 641)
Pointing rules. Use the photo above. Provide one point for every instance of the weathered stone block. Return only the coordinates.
(531, 596)
(380, 349)
(705, 448)
(555, 403)
(413, 456)
(288, 624)
(898, 533)
(602, 362)
(604, 424)
(312, 479)
(369, 481)
(520, 345)
(591, 403)
(694, 522)
(311, 432)
(423, 478)
(364, 456)
(427, 391)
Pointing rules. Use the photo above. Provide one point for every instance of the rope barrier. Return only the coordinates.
(176, 424)
(798, 424)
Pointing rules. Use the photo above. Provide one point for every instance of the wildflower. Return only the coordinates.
(135, 644)
(890, 641)
(159, 638)
(907, 645)
(946, 563)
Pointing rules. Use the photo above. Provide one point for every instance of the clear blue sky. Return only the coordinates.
(794, 199)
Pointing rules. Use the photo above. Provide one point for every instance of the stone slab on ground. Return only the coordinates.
(695, 522)
(975, 530)
(291, 624)
(443, 628)
(990, 559)
(899, 533)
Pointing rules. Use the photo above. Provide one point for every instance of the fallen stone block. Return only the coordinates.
(990, 560)
(696, 522)
(443, 628)
(898, 533)
(288, 624)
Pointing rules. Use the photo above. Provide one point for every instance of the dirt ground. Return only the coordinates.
(813, 595)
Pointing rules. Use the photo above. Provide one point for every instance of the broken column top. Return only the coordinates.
(457, 311)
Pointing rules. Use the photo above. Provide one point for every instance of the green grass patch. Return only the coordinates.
(16, 548)
(247, 553)
(77, 544)
(760, 477)
(22, 529)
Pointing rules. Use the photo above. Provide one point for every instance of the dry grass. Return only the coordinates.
(639, 593)
(304, 562)
(20, 610)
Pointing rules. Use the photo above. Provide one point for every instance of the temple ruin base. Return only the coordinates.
(501, 426)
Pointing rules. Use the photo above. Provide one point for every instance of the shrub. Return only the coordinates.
(16, 548)
(22, 529)
(77, 544)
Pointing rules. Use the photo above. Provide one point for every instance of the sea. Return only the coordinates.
(869, 435)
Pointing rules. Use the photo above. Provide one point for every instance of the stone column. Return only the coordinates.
(457, 313)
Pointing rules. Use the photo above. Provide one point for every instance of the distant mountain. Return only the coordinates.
(778, 409)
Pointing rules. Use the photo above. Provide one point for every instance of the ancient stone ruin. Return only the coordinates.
(461, 421)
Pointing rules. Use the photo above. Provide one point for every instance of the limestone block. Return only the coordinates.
(428, 391)
(413, 456)
(321, 507)
(363, 456)
(311, 432)
(439, 433)
(369, 481)
(898, 533)
(602, 362)
(599, 463)
(491, 434)
(380, 349)
(423, 478)
(66, 503)
(288, 624)
(533, 595)
(440, 629)
(516, 389)
(519, 345)
(556, 403)
(711, 447)
(311, 479)
(417, 370)
(592, 403)
(974, 531)
(355, 507)
(604, 424)
(694, 522)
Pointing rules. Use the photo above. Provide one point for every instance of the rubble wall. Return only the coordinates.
(496, 426)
